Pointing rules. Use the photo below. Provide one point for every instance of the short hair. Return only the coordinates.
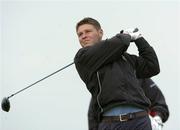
(88, 20)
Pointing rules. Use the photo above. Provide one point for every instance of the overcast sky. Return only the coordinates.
(38, 38)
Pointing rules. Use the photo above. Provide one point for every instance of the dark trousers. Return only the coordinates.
(142, 123)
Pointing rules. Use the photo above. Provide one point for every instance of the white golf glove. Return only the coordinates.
(133, 32)
(156, 122)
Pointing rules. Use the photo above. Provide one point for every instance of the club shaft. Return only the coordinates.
(41, 80)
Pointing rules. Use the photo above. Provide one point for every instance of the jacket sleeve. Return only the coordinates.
(158, 103)
(92, 118)
(93, 57)
(146, 64)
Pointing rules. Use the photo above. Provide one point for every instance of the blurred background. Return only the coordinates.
(39, 37)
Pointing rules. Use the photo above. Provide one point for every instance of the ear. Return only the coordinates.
(101, 32)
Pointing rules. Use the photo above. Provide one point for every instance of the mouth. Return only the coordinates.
(85, 42)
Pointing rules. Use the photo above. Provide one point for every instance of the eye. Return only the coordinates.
(80, 34)
(88, 31)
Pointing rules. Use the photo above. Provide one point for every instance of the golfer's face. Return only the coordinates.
(88, 35)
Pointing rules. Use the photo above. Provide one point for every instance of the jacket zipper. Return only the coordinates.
(100, 89)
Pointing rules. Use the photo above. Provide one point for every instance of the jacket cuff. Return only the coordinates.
(141, 43)
(155, 113)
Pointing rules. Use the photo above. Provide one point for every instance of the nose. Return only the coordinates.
(84, 35)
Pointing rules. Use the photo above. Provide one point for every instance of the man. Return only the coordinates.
(112, 81)
(158, 110)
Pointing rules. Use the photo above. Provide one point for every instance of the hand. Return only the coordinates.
(156, 122)
(133, 32)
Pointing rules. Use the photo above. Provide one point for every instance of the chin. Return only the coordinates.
(89, 44)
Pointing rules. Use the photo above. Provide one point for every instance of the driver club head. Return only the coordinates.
(5, 104)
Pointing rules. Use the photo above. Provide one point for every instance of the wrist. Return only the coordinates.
(139, 36)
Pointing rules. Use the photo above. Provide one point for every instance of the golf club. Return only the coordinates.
(5, 104)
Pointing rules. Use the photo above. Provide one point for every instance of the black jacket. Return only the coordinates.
(110, 78)
(158, 102)
(151, 90)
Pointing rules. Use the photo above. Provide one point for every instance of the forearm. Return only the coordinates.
(147, 63)
(158, 102)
